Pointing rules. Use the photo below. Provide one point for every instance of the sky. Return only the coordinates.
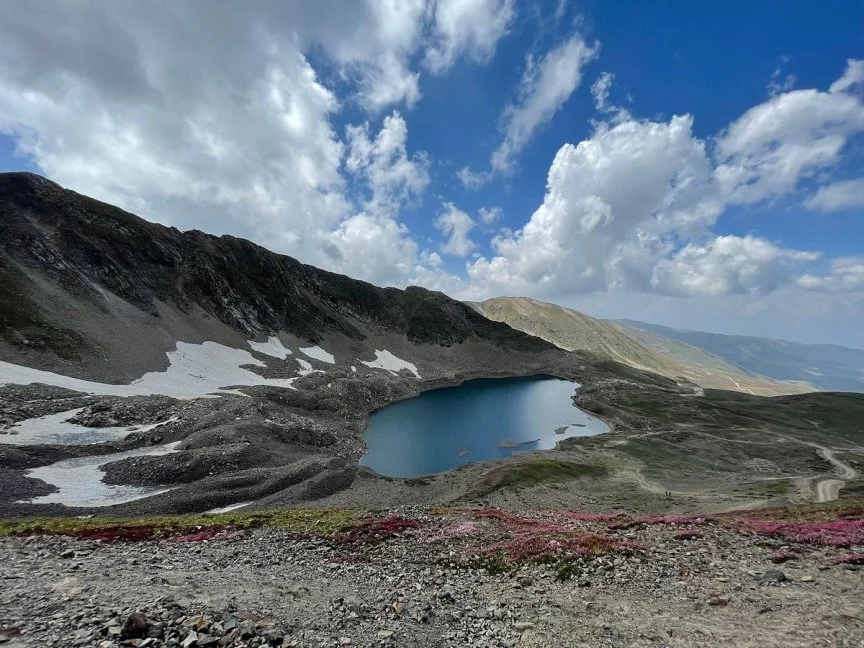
(698, 165)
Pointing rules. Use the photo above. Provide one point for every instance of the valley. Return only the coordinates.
(164, 390)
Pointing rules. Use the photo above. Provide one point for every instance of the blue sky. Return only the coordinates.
(694, 164)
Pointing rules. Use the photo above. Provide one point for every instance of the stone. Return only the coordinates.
(274, 637)
(205, 640)
(247, 629)
(773, 576)
(385, 634)
(718, 600)
(353, 603)
(135, 626)
(190, 640)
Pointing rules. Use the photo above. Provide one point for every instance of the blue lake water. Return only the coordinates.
(475, 421)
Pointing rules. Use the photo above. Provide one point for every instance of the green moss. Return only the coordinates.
(315, 521)
(540, 471)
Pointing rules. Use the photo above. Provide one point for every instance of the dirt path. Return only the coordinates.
(828, 490)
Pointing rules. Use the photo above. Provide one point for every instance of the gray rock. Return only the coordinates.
(773, 576)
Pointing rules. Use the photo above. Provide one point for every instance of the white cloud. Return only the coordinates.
(375, 248)
(632, 207)
(773, 146)
(611, 201)
(456, 225)
(391, 174)
(775, 85)
(238, 139)
(728, 265)
(546, 84)
(852, 77)
(600, 91)
(472, 180)
(847, 275)
(837, 196)
(489, 215)
(471, 28)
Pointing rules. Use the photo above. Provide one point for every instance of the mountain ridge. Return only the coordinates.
(100, 268)
(829, 367)
(571, 330)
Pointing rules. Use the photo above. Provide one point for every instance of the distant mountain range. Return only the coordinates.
(626, 343)
(829, 367)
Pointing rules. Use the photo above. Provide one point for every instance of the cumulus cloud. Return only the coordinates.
(218, 120)
(456, 225)
(837, 196)
(392, 175)
(472, 180)
(489, 215)
(600, 91)
(773, 146)
(471, 28)
(610, 201)
(546, 84)
(852, 78)
(847, 275)
(632, 208)
(728, 265)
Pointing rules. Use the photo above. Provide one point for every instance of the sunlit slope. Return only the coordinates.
(575, 331)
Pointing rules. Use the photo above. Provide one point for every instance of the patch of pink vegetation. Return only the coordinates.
(542, 540)
(373, 530)
(517, 523)
(834, 533)
(854, 558)
(451, 532)
(784, 555)
(672, 520)
(688, 534)
(542, 547)
(595, 517)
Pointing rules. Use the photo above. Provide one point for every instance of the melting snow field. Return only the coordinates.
(55, 430)
(386, 360)
(80, 480)
(227, 509)
(195, 370)
(318, 353)
(272, 347)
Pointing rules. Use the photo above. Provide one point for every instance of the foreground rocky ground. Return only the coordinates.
(456, 577)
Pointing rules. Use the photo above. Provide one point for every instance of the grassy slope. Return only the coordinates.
(575, 331)
(829, 367)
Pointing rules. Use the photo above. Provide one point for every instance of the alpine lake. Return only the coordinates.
(478, 420)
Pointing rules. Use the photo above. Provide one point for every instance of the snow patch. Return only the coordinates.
(227, 509)
(54, 429)
(318, 353)
(386, 360)
(306, 367)
(194, 371)
(80, 480)
(272, 347)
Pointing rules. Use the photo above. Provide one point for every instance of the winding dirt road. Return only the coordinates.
(828, 490)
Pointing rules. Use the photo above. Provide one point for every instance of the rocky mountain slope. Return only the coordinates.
(575, 331)
(95, 291)
(147, 370)
(827, 366)
(128, 327)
